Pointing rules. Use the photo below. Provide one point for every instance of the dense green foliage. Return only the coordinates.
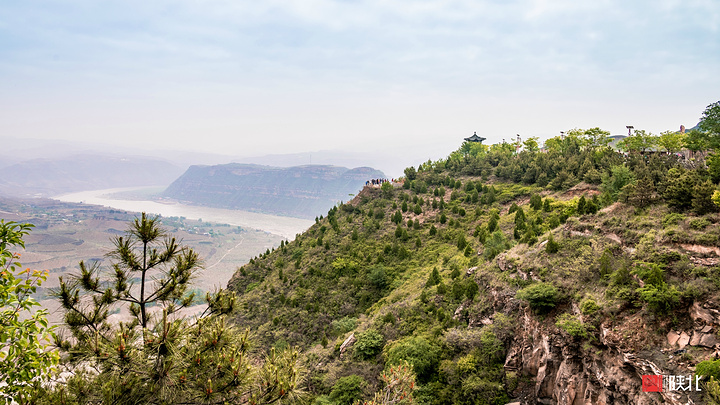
(708, 368)
(540, 296)
(25, 361)
(435, 277)
(155, 357)
(347, 390)
(420, 267)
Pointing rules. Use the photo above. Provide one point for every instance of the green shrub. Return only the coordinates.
(672, 218)
(573, 326)
(621, 277)
(455, 273)
(368, 344)
(708, 368)
(347, 390)
(546, 205)
(552, 246)
(541, 296)
(441, 288)
(418, 351)
(581, 205)
(650, 273)
(390, 318)
(458, 289)
(589, 307)
(378, 276)
(344, 325)
(660, 298)
(461, 242)
(536, 202)
(434, 278)
(619, 177)
(495, 244)
(699, 223)
(471, 289)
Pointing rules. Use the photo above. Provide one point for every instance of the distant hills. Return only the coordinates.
(52, 176)
(300, 191)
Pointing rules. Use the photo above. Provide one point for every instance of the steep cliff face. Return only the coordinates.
(302, 191)
(565, 373)
(556, 368)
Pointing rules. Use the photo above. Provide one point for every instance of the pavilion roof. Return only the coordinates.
(475, 138)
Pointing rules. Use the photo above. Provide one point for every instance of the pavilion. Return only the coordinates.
(475, 138)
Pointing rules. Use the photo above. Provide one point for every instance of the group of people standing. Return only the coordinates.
(378, 182)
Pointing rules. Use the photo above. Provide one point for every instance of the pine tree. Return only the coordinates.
(157, 357)
(492, 224)
(581, 205)
(552, 246)
(546, 205)
(702, 198)
(536, 202)
(434, 278)
(641, 193)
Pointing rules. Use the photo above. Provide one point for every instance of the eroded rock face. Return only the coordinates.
(558, 369)
(706, 320)
(566, 374)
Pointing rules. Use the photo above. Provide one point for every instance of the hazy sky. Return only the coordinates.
(255, 77)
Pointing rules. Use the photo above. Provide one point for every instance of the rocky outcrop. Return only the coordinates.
(706, 322)
(347, 343)
(559, 369)
(565, 373)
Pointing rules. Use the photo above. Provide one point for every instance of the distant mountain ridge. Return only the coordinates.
(300, 191)
(52, 176)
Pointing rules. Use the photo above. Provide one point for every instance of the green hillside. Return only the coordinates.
(505, 274)
(555, 276)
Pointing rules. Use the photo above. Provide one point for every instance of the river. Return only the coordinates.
(286, 227)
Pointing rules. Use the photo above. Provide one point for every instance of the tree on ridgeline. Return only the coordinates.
(596, 138)
(710, 125)
(671, 141)
(531, 144)
(639, 142)
(157, 357)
